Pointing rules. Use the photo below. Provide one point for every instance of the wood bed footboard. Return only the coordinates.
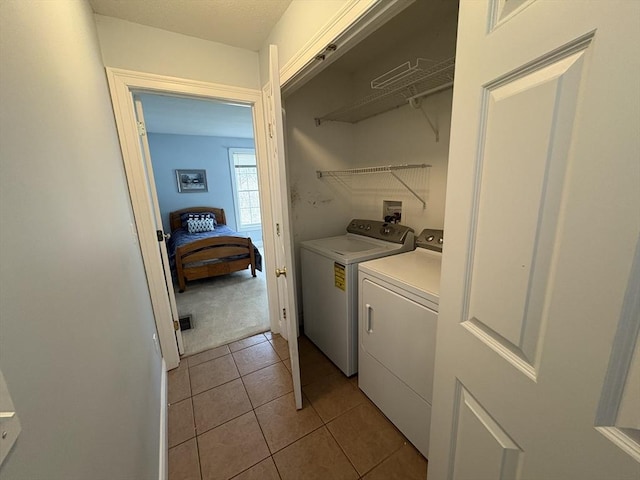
(209, 257)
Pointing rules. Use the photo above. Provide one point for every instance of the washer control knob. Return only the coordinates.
(430, 238)
(361, 226)
(441, 240)
(368, 227)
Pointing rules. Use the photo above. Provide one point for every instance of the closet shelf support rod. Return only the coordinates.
(424, 204)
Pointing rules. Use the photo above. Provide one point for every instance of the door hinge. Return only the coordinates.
(278, 229)
(284, 313)
(270, 130)
(142, 130)
(176, 325)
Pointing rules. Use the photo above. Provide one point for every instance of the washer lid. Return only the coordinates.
(351, 248)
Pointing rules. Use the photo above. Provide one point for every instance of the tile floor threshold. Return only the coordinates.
(232, 415)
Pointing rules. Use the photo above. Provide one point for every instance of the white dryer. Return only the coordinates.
(330, 284)
(398, 316)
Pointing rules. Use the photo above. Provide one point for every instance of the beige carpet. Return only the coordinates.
(223, 309)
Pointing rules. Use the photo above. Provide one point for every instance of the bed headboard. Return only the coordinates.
(174, 217)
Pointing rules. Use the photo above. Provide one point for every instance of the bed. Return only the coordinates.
(207, 254)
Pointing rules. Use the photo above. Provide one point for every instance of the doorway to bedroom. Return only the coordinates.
(204, 166)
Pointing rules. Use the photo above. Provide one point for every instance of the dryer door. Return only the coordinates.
(400, 334)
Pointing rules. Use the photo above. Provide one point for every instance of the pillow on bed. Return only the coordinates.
(197, 225)
(184, 218)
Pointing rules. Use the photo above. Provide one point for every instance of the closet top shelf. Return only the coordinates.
(405, 83)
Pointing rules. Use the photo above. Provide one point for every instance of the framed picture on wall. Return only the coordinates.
(192, 181)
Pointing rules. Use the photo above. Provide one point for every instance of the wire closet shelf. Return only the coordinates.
(390, 169)
(404, 84)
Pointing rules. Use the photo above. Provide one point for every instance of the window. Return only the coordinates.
(244, 177)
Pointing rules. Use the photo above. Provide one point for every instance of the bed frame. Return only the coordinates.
(211, 255)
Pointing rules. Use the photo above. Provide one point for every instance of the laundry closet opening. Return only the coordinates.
(337, 121)
(203, 161)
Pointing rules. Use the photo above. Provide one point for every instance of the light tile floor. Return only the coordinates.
(232, 415)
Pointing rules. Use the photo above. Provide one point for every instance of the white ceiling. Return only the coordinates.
(188, 116)
(240, 23)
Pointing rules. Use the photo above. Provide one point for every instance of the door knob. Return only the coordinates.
(281, 271)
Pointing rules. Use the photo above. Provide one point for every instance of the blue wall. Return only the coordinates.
(171, 152)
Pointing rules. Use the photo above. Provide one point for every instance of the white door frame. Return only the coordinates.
(122, 84)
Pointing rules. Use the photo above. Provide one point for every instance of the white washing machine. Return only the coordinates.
(330, 284)
(398, 316)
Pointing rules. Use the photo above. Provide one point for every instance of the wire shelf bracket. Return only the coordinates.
(390, 169)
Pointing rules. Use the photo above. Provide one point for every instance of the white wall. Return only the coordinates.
(76, 323)
(137, 47)
(298, 25)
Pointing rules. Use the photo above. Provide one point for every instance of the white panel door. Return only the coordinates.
(539, 313)
(155, 208)
(285, 269)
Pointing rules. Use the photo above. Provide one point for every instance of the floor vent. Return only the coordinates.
(185, 322)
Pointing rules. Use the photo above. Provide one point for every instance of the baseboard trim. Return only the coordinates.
(163, 454)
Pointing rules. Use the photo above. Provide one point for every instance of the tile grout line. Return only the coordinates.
(193, 415)
(276, 465)
(253, 410)
(341, 448)
(198, 452)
